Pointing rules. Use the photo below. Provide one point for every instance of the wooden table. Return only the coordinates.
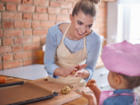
(79, 101)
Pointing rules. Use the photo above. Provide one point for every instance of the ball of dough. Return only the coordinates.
(65, 90)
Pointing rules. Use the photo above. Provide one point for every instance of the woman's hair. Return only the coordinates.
(132, 82)
(86, 6)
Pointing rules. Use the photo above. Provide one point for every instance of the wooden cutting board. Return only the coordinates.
(52, 86)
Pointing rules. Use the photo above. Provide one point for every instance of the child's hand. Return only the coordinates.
(92, 85)
(91, 82)
(89, 95)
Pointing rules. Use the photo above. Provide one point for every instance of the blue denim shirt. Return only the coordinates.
(120, 99)
(54, 36)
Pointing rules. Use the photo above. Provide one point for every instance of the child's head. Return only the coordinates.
(121, 81)
(123, 62)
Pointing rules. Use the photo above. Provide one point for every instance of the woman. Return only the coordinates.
(69, 44)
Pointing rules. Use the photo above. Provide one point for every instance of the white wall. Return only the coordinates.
(112, 22)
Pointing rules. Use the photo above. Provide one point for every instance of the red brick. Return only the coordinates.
(1, 63)
(27, 24)
(11, 7)
(5, 49)
(39, 32)
(27, 16)
(12, 1)
(62, 17)
(47, 24)
(42, 16)
(64, 11)
(52, 17)
(7, 41)
(13, 32)
(71, 0)
(41, 2)
(36, 39)
(22, 55)
(7, 57)
(18, 40)
(22, 24)
(35, 24)
(2, 7)
(41, 9)
(27, 32)
(0, 41)
(31, 46)
(55, 4)
(43, 39)
(12, 64)
(27, 1)
(66, 4)
(1, 33)
(1, 59)
(27, 62)
(52, 10)
(7, 24)
(1, 66)
(36, 46)
(26, 8)
(28, 46)
(17, 48)
(12, 15)
(27, 39)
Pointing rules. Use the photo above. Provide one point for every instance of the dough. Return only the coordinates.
(65, 90)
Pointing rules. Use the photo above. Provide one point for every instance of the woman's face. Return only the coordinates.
(81, 25)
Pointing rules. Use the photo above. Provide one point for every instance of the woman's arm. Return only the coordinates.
(50, 52)
(93, 50)
(50, 49)
(94, 43)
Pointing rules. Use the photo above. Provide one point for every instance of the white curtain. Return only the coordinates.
(128, 1)
(123, 22)
(128, 19)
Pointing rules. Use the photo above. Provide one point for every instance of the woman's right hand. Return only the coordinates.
(77, 68)
(64, 72)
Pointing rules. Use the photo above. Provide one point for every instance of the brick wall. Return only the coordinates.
(24, 24)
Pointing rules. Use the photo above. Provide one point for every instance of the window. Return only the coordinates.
(128, 22)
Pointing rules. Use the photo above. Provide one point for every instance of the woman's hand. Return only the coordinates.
(64, 72)
(82, 73)
(69, 71)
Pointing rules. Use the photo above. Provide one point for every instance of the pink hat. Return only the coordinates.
(123, 58)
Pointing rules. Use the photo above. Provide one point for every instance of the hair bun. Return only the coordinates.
(95, 1)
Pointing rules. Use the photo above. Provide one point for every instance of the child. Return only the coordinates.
(123, 62)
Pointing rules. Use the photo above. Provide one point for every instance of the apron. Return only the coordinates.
(64, 58)
(106, 94)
